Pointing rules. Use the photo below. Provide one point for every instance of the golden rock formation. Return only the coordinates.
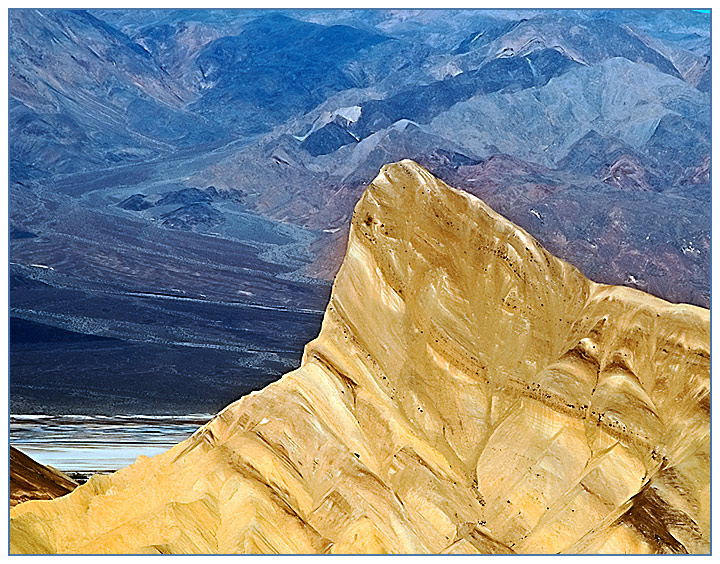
(31, 480)
(468, 393)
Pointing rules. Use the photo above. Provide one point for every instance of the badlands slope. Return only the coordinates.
(468, 392)
(31, 480)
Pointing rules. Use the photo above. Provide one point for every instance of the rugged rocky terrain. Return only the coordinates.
(164, 162)
(468, 392)
(31, 480)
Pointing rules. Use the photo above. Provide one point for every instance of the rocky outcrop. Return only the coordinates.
(31, 480)
(468, 392)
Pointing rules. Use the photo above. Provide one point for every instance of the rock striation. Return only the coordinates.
(31, 480)
(468, 393)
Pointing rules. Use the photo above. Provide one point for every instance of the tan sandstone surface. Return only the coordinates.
(468, 392)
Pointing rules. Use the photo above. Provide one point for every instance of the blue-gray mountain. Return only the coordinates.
(172, 170)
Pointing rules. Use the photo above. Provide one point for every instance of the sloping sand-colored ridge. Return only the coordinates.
(468, 392)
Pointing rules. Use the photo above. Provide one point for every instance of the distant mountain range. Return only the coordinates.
(217, 155)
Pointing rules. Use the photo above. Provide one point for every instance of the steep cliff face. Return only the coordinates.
(468, 392)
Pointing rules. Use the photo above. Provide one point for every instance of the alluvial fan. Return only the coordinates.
(468, 392)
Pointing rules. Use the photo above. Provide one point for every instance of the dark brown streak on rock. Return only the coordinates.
(480, 540)
(581, 356)
(652, 517)
(275, 494)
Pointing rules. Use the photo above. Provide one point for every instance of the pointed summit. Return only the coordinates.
(468, 392)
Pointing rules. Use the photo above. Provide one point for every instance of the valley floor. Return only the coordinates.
(82, 445)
